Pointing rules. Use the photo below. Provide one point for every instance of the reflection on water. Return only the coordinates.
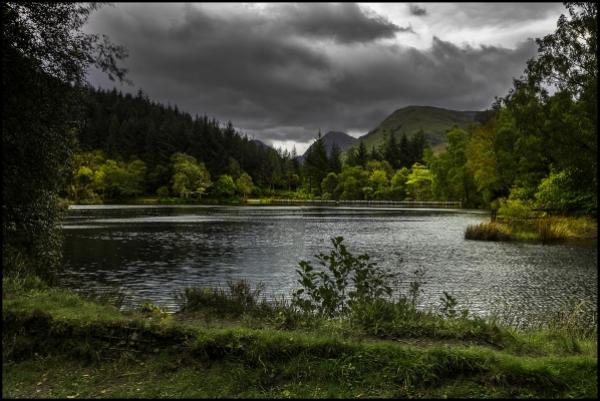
(152, 252)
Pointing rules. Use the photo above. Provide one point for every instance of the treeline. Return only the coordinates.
(393, 172)
(98, 178)
(532, 150)
(127, 127)
(539, 150)
(127, 146)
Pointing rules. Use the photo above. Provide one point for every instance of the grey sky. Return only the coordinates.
(282, 71)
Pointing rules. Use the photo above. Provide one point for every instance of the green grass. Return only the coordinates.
(58, 344)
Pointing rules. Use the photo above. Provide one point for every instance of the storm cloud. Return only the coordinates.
(281, 72)
(416, 10)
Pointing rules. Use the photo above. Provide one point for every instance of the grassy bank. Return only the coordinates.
(222, 344)
(548, 229)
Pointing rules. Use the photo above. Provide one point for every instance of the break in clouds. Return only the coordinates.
(281, 72)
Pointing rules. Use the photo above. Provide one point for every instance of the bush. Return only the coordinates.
(329, 294)
(163, 192)
(559, 191)
(515, 209)
(224, 186)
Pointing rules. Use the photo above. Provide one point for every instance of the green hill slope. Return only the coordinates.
(433, 121)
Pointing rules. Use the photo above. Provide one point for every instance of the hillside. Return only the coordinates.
(126, 126)
(341, 139)
(260, 143)
(433, 121)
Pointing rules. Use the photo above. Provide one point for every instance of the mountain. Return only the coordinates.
(341, 139)
(434, 122)
(260, 143)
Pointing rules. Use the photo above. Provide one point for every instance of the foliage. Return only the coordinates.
(327, 291)
(125, 125)
(398, 182)
(190, 177)
(120, 180)
(329, 183)
(163, 191)
(559, 191)
(378, 180)
(391, 151)
(419, 182)
(560, 130)
(224, 186)
(515, 209)
(316, 164)
(452, 180)
(244, 184)
(44, 53)
(448, 306)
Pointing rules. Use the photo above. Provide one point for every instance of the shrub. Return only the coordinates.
(515, 209)
(163, 191)
(225, 186)
(150, 308)
(327, 291)
(560, 191)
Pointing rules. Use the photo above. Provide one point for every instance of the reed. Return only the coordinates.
(488, 232)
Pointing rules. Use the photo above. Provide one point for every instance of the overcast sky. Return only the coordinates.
(282, 71)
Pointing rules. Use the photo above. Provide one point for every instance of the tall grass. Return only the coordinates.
(237, 298)
(547, 229)
(488, 232)
(550, 230)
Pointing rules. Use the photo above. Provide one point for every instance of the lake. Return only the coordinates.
(151, 252)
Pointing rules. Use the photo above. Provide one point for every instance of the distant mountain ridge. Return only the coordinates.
(260, 143)
(434, 121)
(341, 139)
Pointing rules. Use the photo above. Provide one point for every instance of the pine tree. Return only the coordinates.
(405, 152)
(417, 145)
(316, 163)
(335, 163)
(392, 152)
(362, 156)
(375, 155)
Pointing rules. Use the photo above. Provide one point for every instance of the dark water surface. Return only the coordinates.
(150, 252)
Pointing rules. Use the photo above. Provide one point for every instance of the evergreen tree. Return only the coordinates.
(316, 164)
(391, 151)
(335, 163)
(362, 156)
(375, 155)
(405, 152)
(417, 146)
